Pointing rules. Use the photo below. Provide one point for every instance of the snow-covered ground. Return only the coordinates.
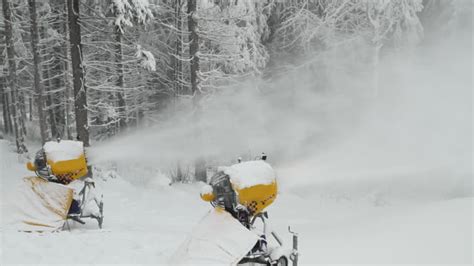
(338, 222)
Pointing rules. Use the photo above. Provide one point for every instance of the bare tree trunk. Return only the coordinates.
(50, 104)
(120, 79)
(7, 127)
(2, 101)
(58, 82)
(12, 82)
(178, 64)
(193, 47)
(59, 111)
(36, 61)
(67, 82)
(21, 111)
(80, 90)
(200, 163)
(179, 173)
(200, 171)
(30, 107)
(375, 69)
(47, 89)
(177, 68)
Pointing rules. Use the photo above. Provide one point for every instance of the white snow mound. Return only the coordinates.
(251, 173)
(63, 150)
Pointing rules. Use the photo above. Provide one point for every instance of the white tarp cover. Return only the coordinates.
(218, 239)
(44, 205)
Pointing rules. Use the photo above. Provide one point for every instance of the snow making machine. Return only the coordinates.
(237, 230)
(60, 191)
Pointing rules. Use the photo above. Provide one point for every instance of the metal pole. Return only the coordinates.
(295, 247)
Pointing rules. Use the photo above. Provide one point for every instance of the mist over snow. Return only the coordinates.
(416, 132)
(364, 109)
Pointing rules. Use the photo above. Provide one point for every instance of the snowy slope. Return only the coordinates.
(142, 225)
(351, 233)
(145, 225)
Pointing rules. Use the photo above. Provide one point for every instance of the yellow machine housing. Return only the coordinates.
(257, 198)
(256, 194)
(71, 162)
(74, 168)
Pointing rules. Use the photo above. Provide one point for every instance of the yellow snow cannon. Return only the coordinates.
(63, 159)
(239, 194)
(251, 184)
(56, 193)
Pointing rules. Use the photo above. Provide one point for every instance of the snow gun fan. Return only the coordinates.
(61, 171)
(239, 194)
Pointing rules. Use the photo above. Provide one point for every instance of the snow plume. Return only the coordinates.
(414, 135)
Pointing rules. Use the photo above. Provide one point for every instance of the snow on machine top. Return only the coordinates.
(251, 184)
(63, 150)
(250, 173)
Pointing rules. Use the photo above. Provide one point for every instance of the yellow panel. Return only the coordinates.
(30, 166)
(257, 198)
(207, 197)
(74, 169)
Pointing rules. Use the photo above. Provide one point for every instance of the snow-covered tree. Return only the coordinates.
(36, 70)
(80, 88)
(395, 20)
(15, 96)
(125, 13)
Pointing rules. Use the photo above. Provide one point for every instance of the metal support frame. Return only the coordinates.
(294, 252)
(87, 185)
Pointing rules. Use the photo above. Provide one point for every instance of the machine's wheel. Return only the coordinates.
(282, 261)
